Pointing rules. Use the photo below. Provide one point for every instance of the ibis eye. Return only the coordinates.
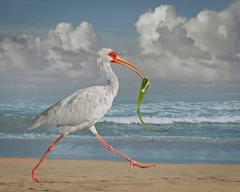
(112, 54)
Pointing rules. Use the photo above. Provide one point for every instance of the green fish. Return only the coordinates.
(142, 92)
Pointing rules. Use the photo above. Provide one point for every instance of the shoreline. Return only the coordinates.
(118, 160)
(101, 175)
(146, 151)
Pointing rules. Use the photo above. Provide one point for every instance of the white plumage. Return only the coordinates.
(84, 107)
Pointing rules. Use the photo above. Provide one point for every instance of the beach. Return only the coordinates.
(91, 175)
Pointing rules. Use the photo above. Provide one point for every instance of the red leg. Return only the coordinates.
(132, 162)
(50, 148)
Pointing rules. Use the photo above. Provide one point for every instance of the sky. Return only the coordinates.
(52, 45)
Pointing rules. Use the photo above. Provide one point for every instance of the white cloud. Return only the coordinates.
(217, 33)
(202, 48)
(149, 22)
(71, 38)
(67, 53)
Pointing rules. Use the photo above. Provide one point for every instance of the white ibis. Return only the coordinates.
(85, 107)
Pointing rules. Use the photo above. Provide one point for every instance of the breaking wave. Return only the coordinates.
(172, 120)
(127, 138)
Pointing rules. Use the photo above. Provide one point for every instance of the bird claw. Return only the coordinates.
(134, 163)
(35, 177)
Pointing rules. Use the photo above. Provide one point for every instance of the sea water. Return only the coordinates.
(185, 131)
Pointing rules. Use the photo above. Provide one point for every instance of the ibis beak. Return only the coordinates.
(129, 65)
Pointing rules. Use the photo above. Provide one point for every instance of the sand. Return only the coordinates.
(85, 175)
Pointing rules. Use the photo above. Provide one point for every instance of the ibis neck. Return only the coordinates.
(111, 79)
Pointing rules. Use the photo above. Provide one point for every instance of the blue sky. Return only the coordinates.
(102, 14)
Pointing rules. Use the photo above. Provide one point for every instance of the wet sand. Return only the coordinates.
(85, 175)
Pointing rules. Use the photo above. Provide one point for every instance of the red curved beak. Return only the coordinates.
(131, 66)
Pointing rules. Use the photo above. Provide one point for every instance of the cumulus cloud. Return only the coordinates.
(203, 48)
(67, 53)
(70, 38)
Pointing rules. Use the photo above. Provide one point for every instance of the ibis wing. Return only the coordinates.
(88, 104)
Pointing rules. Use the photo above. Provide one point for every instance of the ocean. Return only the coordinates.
(184, 131)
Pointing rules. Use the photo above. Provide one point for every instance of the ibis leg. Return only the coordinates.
(50, 149)
(132, 162)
